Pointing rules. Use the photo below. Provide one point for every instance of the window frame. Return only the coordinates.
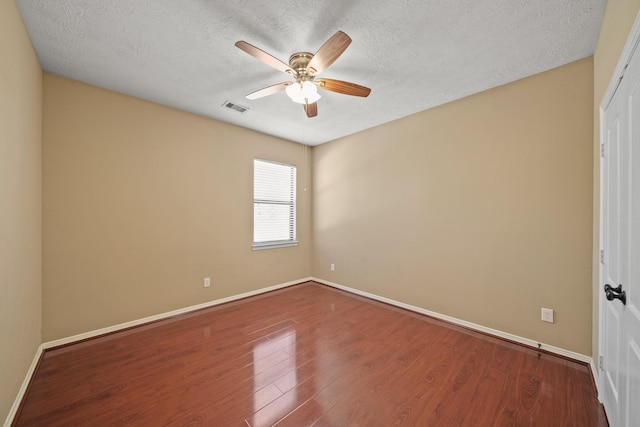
(272, 244)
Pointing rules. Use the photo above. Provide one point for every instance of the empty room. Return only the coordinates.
(361, 213)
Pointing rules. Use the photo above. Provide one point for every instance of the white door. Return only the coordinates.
(620, 286)
(613, 237)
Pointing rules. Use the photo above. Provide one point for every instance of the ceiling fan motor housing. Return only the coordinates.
(298, 63)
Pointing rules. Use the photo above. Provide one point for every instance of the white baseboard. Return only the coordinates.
(528, 342)
(138, 322)
(596, 377)
(23, 388)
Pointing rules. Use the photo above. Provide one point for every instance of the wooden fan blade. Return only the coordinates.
(311, 109)
(269, 90)
(346, 88)
(263, 56)
(329, 52)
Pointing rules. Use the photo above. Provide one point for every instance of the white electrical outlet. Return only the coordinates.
(333, 267)
(207, 282)
(547, 315)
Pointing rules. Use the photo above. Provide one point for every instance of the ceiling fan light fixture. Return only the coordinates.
(303, 92)
(308, 89)
(294, 90)
(307, 100)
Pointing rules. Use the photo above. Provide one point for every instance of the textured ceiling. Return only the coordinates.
(413, 54)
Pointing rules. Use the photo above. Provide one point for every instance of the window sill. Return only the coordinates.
(274, 245)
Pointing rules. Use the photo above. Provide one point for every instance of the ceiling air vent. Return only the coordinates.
(238, 108)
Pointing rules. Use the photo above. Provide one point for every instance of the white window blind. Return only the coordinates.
(274, 204)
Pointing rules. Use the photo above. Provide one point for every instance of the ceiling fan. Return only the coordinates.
(304, 67)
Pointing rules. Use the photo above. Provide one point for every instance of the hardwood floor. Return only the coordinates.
(307, 355)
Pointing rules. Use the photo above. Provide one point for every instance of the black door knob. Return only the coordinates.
(615, 293)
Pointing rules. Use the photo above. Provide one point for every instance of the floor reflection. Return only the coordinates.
(274, 378)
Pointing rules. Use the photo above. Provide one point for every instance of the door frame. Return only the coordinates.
(631, 45)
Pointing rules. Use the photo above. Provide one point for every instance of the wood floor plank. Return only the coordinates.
(306, 355)
(304, 415)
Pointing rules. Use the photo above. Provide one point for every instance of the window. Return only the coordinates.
(274, 204)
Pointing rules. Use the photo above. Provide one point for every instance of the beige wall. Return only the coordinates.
(616, 26)
(20, 203)
(479, 209)
(141, 202)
